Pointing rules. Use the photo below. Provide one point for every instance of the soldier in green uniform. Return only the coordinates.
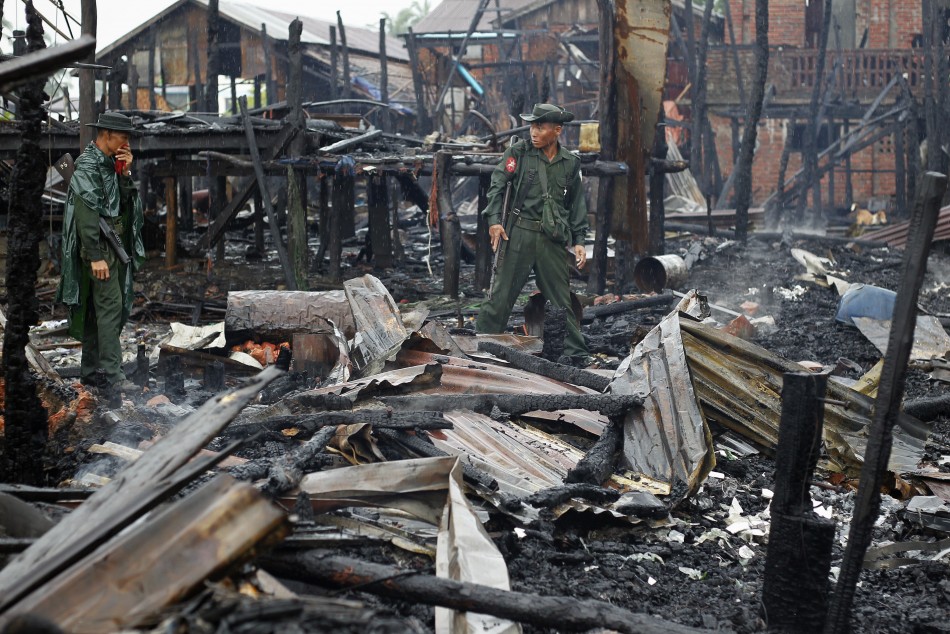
(96, 286)
(549, 214)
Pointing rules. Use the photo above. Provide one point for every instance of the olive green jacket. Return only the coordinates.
(96, 189)
(564, 179)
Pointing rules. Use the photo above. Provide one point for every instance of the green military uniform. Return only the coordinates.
(528, 246)
(98, 309)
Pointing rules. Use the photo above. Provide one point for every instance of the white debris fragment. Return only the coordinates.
(692, 573)
(520, 533)
(793, 294)
(651, 581)
(767, 494)
(746, 554)
(675, 537)
(716, 474)
(824, 511)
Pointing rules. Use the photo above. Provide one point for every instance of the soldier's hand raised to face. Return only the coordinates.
(497, 234)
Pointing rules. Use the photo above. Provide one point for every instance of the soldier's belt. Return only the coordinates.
(530, 225)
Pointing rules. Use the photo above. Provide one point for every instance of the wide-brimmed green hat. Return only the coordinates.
(548, 113)
(113, 121)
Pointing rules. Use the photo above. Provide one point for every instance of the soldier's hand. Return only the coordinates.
(100, 270)
(497, 234)
(124, 153)
(580, 255)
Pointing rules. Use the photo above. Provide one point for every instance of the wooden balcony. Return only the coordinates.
(860, 76)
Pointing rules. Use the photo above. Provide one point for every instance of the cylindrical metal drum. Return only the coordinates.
(656, 272)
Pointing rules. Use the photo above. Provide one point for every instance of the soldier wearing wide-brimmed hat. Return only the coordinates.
(548, 213)
(96, 285)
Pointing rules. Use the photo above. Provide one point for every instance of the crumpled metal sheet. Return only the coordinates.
(431, 489)
(931, 341)
(379, 328)
(740, 386)
(286, 312)
(667, 441)
(197, 337)
(462, 376)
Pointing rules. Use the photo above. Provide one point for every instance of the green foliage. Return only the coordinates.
(406, 17)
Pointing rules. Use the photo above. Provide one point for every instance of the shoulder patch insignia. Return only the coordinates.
(511, 165)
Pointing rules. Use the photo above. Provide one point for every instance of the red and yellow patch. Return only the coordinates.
(511, 165)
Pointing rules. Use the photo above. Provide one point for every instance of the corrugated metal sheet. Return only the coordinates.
(896, 235)
(456, 16)
(315, 31)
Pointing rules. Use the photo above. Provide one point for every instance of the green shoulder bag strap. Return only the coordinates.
(552, 223)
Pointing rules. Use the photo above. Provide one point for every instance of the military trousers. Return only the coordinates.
(101, 348)
(528, 250)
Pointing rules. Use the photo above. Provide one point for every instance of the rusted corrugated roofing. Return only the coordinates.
(456, 16)
(896, 235)
(315, 31)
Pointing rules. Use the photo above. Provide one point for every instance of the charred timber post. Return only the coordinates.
(334, 68)
(287, 472)
(385, 116)
(346, 56)
(296, 182)
(171, 220)
(210, 101)
(607, 107)
(214, 377)
(657, 182)
(422, 117)
(743, 184)
(563, 613)
(262, 184)
(151, 69)
(380, 235)
(605, 310)
(450, 230)
(87, 77)
(887, 405)
(24, 440)
(795, 590)
(537, 365)
(483, 252)
(269, 84)
(517, 404)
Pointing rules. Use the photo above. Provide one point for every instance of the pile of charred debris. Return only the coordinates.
(393, 471)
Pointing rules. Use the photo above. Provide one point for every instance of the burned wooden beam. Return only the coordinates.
(550, 369)
(616, 308)
(87, 78)
(599, 463)
(160, 473)
(262, 183)
(382, 418)
(554, 496)
(288, 470)
(44, 62)
(348, 143)
(563, 613)
(516, 404)
(887, 404)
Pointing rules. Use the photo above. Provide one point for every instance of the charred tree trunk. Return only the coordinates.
(24, 439)
(340, 206)
(296, 181)
(810, 178)
(607, 113)
(87, 79)
(744, 174)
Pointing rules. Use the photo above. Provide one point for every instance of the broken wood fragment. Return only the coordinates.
(599, 463)
(287, 471)
(552, 370)
(563, 613)
(140, 572)
(554, 496)
(382, 418)
(516, 404)
(161, 472)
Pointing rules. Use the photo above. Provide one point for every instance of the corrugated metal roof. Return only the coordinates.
(456, 15)
(315, 31)
(897, 235)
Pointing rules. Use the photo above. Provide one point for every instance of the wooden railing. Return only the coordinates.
(860, 74)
